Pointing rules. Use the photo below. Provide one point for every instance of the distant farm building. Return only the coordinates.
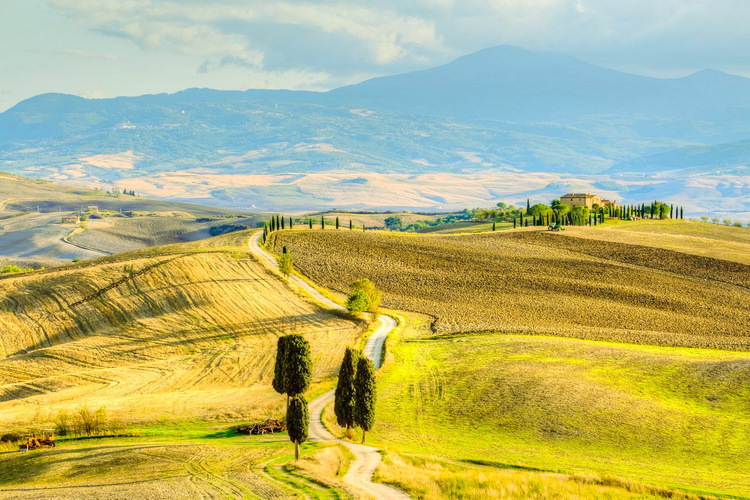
(585, 200)
(70, 219)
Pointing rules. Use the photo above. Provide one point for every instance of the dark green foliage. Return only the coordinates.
(279, 382)
(310, 222)
(343, 405)
(393, 223)
(528, 207)
(680, 212)
(337, 222)
(350, 225)
(322, 222)
(493, 226)
(364, 396)
(514, 222)
(297, 422)
(357, 302)
(282, 222)
(284, 250)
(291, 224)
(297, 365)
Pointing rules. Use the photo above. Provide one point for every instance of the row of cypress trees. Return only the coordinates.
(292, 375)
(354, 403)
(278, 222)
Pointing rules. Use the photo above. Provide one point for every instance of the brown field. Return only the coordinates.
(175, 333)
(370, 220)
(539, 283)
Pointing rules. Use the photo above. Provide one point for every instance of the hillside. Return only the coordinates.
(166, 335)
(539, 283)
(31, 232)
(500, 112)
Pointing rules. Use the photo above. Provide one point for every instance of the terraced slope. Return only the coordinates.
(175, 333)
(539, 283)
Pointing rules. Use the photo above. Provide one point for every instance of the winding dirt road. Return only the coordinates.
(367, 457)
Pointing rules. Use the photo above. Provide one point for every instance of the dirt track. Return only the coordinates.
(368, 458)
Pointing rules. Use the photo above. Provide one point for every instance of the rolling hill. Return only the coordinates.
(496, 113)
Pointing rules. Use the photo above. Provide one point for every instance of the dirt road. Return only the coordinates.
(367, 457)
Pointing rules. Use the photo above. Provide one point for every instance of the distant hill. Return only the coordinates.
(731, 158)
(504, 109)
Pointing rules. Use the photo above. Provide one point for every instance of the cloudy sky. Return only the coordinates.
(103, 48)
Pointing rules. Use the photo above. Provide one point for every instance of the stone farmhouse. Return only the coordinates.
(585, 200)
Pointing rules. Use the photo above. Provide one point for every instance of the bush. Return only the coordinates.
(357, 302)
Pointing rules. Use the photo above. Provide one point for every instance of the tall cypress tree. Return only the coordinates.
(514, 222)
(291, 224)
(279, 380)
(337, 222)
(350, 225)
(493, 226)
(528, 207)
(364, 396)
(297, 365)
(343, 405)
(297, 422)
(680, 213)
(282, 222)
(322, 222)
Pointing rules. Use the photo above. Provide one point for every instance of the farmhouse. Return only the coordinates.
(585, 200)
(70, 219)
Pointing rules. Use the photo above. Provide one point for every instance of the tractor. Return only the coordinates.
(555, 227)
(46, 440)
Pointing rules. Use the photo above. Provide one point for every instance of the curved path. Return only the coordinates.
(367, 457)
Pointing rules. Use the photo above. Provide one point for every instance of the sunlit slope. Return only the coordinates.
(698, 238)
(175, 332)
(543, 283)
(671, 417)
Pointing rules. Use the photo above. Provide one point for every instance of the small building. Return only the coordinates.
(70, 219)
(585, 200)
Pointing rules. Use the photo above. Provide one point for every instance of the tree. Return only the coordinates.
(368, 287)
(337, 222)
(297, 365)
(309, 220)
(322, 222)
(343, 405)
(282, 222)
(528, 207)
(680, 212)
(297, 422)
(286, 263)
(291, 224)
(393, 222)
(539, 209)
(364, 396)
(514, 222)
(493, 226)
(357, 302)
(279, 381)
(350, 225)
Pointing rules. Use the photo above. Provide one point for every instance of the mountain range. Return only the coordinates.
(502, 122)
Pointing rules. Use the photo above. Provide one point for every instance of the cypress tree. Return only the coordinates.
(671, 211)
(297, 365)
(279, 381)
(337, 222)
(309, 220)
(364, 396)
(322, 222)
(527, 223)
(680, 213)
(493, 226)
(271, 224)
(283, 249)
(291, 224)
(343, 405)
(350, 225)
(528, 207)
(514, 222)
(297, 422)
(282, 223)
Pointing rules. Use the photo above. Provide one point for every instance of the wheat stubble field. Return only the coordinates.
(164, 334)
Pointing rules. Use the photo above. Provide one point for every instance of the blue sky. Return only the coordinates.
(104, 48)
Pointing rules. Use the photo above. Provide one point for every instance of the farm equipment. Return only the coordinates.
(555, 227)
(46, 440)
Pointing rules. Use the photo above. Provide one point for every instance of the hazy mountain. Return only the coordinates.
(500, 109)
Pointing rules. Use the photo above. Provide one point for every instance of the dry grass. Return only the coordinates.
(539, 283)
(698, 238)
(168, 334)
(434, 479)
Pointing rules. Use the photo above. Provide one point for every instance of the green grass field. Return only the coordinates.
(671, 417)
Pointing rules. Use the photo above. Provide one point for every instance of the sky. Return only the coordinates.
(107, 48)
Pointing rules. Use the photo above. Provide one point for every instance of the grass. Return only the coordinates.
(671, 417)
(536, 282)
(430, 478)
